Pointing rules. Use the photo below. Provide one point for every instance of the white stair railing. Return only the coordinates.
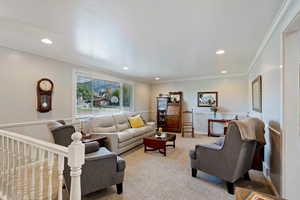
(32, 169)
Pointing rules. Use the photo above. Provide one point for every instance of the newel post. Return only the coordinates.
(75, 161)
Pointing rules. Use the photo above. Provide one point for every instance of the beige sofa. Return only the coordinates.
(120, 136)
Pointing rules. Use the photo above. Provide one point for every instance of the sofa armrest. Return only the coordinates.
(111, 141)
(152, 124)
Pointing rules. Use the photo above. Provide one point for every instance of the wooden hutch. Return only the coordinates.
(169, 112)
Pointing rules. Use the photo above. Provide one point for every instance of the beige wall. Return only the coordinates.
(19, 73)
(284, 174)
(268, 66)
(232, 93)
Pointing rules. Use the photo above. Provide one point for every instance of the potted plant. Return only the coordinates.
(215, 110)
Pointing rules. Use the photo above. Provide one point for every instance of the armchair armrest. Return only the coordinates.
(102, 153)
(91, 147)
(208, 152)
(208, 147)
(112, 141)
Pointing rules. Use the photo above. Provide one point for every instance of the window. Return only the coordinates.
(127, 96)
(95, 95)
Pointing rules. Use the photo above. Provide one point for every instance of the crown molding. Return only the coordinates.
(200, 78)
(280, 14)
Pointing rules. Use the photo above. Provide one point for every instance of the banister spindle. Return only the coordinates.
(33, 158)
(2, 166)
(50, 171)
(19, 164)
(7, 168)
(13, 170)
(41, 159)
(25, 179)
(75, 161)
(60, 176)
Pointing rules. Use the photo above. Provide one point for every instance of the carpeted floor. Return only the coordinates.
(151, 176)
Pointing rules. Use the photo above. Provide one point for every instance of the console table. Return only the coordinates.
(211, 121)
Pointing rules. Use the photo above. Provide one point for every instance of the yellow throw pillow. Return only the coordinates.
(136, 121)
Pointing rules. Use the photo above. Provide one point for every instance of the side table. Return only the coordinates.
(94, 137)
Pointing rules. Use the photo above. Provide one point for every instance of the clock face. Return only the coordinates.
(45, 85)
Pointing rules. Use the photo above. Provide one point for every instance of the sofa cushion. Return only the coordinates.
(121, 122)
(140, 131)
(125, 135)
(128, 142)
(136, 121)
(103, 124)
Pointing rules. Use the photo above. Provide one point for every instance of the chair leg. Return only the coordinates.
(120, 188)
(194, 172)
(230, 188)
(246, 176)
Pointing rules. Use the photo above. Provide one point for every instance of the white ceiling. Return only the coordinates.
(167, 38)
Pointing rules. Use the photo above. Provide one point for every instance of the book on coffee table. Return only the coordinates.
(163, 135)
(258, 196)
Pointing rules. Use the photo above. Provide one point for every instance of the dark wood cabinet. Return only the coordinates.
(169, 116)
(162, 106)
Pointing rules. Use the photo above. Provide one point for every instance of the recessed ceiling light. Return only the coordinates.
(220, 51)
(46, 41)
(125, 68)
(223, 72)
(157, 78)
(281, 66)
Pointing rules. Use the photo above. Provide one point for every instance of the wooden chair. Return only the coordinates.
(188, 123)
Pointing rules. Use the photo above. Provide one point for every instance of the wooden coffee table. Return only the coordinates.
(160, 144)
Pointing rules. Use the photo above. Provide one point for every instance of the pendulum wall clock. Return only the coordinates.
(44, 95)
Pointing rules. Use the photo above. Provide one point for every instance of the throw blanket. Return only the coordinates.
(251, 129)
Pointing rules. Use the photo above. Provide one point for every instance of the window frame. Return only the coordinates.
(103, 77)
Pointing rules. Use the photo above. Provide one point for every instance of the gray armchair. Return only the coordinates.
(102, 168)
(229, 158)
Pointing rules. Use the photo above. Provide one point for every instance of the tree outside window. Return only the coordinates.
(94, 95)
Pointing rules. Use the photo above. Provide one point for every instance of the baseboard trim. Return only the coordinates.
(266, 173)
(272, 186)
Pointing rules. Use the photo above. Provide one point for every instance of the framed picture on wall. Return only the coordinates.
(207, 99)
(257, 94)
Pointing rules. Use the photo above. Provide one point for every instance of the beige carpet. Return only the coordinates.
(151, 176)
